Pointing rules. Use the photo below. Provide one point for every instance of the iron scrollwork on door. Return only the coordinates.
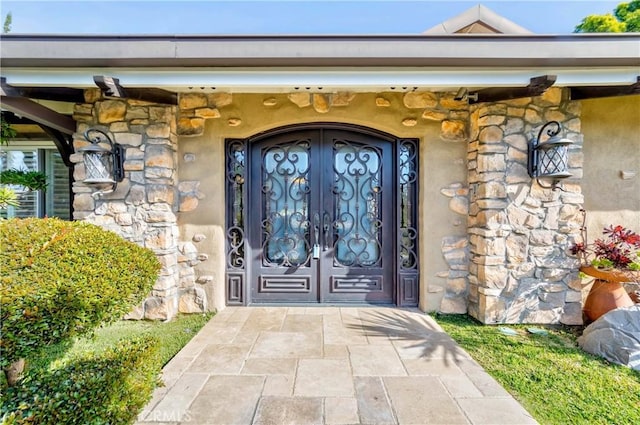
(357, 194)
(408, 206)
(236, 200)
(407, 197)
(285, 217)
(283, 231)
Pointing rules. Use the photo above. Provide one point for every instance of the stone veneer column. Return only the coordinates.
(143, 207)
(519, 232)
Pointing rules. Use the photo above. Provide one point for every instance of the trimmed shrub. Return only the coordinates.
(105, 388)
(61, 279)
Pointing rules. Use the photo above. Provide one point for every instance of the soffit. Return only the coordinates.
(285, 80)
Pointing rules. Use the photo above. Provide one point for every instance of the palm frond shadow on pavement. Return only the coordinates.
(417, 336)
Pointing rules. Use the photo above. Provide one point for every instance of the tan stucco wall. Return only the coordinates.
(441, 163)
(611, 128)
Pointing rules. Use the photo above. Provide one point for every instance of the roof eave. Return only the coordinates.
(470, 50)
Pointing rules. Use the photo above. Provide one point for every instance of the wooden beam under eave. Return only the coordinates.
(537, 86)
(59, 94)
(111, 87)
(27, 108)
(63, 142)
(153, 95)
(591, 92)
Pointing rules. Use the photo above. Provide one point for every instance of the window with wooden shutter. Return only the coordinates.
(55, 201)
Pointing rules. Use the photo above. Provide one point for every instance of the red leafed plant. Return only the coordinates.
(619, 249)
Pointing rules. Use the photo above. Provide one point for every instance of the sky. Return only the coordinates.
(301, 17)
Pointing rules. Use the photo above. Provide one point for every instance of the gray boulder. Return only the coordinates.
(615, 336)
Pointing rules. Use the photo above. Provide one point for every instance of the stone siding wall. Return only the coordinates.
(510, 266)
(143, 207)
(519, 232)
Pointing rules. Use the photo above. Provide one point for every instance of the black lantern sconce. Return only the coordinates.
(103, 166)
(548, 159)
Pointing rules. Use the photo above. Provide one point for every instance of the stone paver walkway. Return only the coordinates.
(327, 365)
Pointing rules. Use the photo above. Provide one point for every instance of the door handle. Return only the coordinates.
(326, 226)
(316, 228)
(315, 253)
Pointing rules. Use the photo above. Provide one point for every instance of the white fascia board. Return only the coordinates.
(461, 50)
(266, 80)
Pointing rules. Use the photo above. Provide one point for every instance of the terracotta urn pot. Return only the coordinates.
(607, 292)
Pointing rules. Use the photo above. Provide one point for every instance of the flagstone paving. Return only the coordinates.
(327, 365)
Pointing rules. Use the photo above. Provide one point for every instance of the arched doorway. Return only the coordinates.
(322, 213)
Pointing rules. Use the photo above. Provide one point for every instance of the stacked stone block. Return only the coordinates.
(193, 297)
(143, 207)
(520, 232)
(195, 108)
(455, 250)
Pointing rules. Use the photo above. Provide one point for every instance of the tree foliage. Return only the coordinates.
(6, 27)
(8, 198)
(625, 18)
(31, 180)
(6, 131)
(629, 13)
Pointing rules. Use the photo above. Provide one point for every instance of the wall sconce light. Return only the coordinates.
(103, 166)
(548, 159)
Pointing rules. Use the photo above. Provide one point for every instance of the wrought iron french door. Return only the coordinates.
(322, 212)
(321, 218)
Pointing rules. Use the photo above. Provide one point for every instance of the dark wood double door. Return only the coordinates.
(321, 218)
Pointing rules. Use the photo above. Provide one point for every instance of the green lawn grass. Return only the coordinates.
(550, 375)
(172, 336)
(104, 378)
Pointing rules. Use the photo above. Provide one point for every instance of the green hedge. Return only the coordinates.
(60, 279)
(105, 388)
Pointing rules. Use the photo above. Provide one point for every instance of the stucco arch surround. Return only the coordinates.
(202, 159)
